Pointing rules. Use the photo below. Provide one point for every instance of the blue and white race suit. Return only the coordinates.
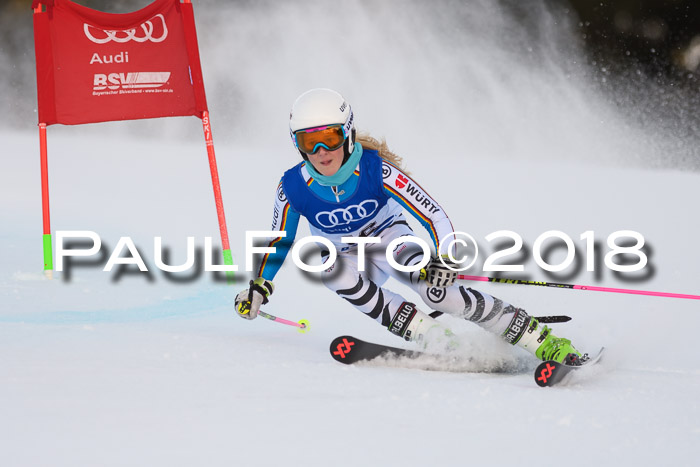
(371, 202)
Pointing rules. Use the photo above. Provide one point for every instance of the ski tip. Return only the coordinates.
(547, 373)
(595, 358)
(550, 372)
(341, 347)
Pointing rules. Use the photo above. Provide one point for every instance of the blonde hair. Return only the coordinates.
(369, 142)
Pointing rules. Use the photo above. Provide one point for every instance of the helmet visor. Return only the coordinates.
(311, 140)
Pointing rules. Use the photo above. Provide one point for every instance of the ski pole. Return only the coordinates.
(501, 280)
(303, 324)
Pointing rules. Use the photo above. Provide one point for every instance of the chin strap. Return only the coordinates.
(349, 143)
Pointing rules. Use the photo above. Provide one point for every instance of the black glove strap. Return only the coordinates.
(256, 288)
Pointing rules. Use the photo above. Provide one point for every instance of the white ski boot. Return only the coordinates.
(415, 326)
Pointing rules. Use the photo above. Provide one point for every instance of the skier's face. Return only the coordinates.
(327, 162)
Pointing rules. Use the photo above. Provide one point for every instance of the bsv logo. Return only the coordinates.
(344, 216)
(126, 35)
(130, 80)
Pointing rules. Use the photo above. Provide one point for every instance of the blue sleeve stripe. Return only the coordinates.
(271, 263)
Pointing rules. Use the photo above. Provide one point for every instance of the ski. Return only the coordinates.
(550, 373)
(349, 350)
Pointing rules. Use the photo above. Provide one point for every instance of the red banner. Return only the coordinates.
(97, 67)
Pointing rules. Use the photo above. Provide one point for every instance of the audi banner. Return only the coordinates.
(97, 67)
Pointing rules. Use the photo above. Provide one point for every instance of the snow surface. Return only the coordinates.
(135, 369)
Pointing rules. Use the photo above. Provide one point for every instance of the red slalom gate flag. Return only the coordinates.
(97, 67)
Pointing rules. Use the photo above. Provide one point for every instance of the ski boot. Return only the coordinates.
(415, 326)
(539, 340)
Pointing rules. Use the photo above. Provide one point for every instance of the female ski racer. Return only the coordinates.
(348, 186)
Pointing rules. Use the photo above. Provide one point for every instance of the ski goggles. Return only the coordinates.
(311, 140)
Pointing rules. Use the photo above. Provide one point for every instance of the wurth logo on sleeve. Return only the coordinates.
(400, 181)
(409, 189)
(422, 198)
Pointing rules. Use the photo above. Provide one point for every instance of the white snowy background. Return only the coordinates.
(502, 121)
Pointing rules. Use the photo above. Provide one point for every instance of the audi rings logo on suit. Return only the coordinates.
(344, 216)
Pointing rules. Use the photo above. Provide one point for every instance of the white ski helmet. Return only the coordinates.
(319, 107)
